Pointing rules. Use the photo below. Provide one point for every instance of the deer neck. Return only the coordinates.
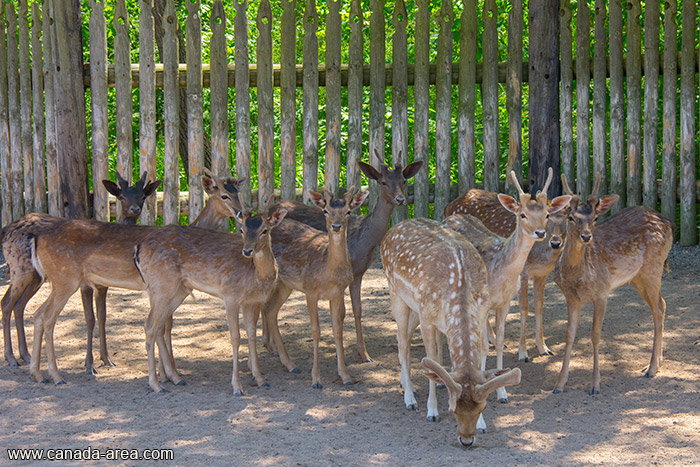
(209, 217)
(128, 220)
(265, 264)
(338, 255)
(463, 338)
(573, 258)
(365, 239)
(511, 260)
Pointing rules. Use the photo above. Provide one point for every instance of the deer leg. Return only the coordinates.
(86, 294)
(250, 320)
(49, 314)
(429, 333)
(405, 327)
(29, 292)
(21, 290)
(232, 311)
(524, 306)
(598, 315)
(574, 308)
(649, 290)
(500, 336)
(101, 308)
(312, 305)
(270, 313)
(355, 294)
(7, 301)
(538, 292)
(168, 339)
(337, 305)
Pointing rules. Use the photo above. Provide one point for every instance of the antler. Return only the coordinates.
(349, 194)
(550, 174)
(144, 178)
(566, 185)
(120, 180)
(596, 185)
(245, 210)
(209, 173)
(517, 183)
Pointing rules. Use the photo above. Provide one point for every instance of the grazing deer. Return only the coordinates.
(364, 233)
(485, 206)
(438, 279)
(318, 264)
(505, 258)
(629, 247)
(240, 269)
(25, 281)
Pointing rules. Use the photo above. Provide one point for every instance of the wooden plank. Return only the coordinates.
(98, 101)
(377, 91)
(583, 112)
(355, 94)
(652, 19)
(147, 104)
(566, 98)
(443, 111)
(219, 93)
(600, 91)
(466, 142)
(689, 224)
(333, 93)
(399, 99)
(266, 150)
(514, 92)
(5, 166)
(25, 89)
(38, 112)
(489, 96)
(171, 117)
(421, 97)
(288, 100)
(14, 110)
(242, 61)
(310, 115)
(617, 100)
(634, 103)
(670, 133)
(195, 117)
(122, 64)
(52, 174)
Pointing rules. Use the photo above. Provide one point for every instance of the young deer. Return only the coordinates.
(318, 264)
(438, 279)
(25, 281)
(505, 258)
(485, 206)
(364, 233)
(630, 247)
(240, 269)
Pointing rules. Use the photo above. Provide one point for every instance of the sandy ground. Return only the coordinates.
(633, 421)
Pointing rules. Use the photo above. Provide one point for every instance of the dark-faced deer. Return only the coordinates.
(364, 233)
(485, 206)
(629, 247)
(25, 281)
(318, 264)
(438, 279)
(238, 268)
(505, 258)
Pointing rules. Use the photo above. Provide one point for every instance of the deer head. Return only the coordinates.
(223, 192)
(256, 228)
(131, 198)
(583, 216)
(391, 181)
(337, 210)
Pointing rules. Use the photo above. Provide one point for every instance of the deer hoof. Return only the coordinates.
(556, 391)
(524, 359)
(265, 385)
(440, 386)
(90, 371)
(594, 392)
(61, 382)
(182, 382)
(296, 371)
(317, 386)
(548, 352)
(45, 380)
(349, 383)
(163, 391)
(433, 418)
(238, 393)
(503, 400)
(107, 363)
(412, 407)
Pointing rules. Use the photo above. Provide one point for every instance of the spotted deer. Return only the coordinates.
(25, 281)
(629, 247)
(437, 279)
(318, 264)
(238, 268)
(505, 258)
(485, 206)
(365, 232)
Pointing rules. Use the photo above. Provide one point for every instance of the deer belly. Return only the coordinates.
(128, 278)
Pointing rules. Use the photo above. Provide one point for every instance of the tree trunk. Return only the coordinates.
(544, 94)
(67, 46)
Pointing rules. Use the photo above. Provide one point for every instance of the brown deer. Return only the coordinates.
(364, 233)
(318, 264)
(438, 279)
(238, 268)
(629, 247)
(485, 206)
(25, 281)
(505, 258)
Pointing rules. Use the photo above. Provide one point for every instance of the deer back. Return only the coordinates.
(485, 206)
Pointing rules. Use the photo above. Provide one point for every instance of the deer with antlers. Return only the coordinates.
(629, 247)
(437, 279)
(318, 264)
(543, 256)
(505, 258)
(238, 268)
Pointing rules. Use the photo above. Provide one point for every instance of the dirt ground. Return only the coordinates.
(633, 420)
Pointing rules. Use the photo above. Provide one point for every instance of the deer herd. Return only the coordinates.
(444, 276)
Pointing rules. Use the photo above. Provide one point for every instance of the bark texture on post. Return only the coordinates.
(219, 93)
(14, 111)
(600, 90)
(443, 111)
(399, 99)
(331, 175)
(147, 105)
(6, 169)
(195, 119)
(98, 102)
(266, 152)
(310, 118)
(689, 222)
(355, 92)
(651, 100)
(583, 112)
(377, 91)
(242, 60)
(171, 110)
(122, 66)
(466, 143)
(668, 188)
(421, 96)
(50, 98)
(489, 95)
(25, 86)
(288, 101)
(617, 111)
(566, 98)
(634, 103)
(514, 92)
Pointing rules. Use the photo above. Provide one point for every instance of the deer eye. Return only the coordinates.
(571, 218)
(595, 218)
(225, 197)
(264, 232)
(547, 216)
(523, 216)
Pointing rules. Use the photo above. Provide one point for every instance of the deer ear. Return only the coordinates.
(358, 199)
(276, 217)
(317, 198)
(559, 203)
(112, 187)
(151, 188)
(606, 203)
(209, 185)
(232, 185)
(369, 171)
(412, 170)
(509, 203)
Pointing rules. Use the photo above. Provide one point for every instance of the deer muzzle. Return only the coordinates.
(555, 243)
(540, 233)
(336, 227)
(468, 443)
(247, 252)
(586, 237)
(399, 200)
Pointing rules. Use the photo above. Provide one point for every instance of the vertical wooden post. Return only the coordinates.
(332, 162)
(421, 97)
(98, 100)
(52, 175)
(489, 96)
(399, 100)
(266, 152)
(583, 80)
(14, 111)
(122, 68)
(634, 103)
(466, 143)
(670, 133)
(219, 93)
(651, 100)
(195, 119)
(25, 86)
(443, 110)
(377, 90)
(38, 111)
(310, 117)
(566, 99)
(600, 91)
(689, 223)
(242, 60)
(147, 105)
(355, 91)
(514, 91)
(6, 169)
(171, 110)
(288, 100)
(617, 98)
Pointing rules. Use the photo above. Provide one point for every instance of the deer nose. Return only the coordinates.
(399, 200)
(247, 252)
(540, 233)
(336, 226)
(555, 243)
(467, 443)
(134, 210)
(586, 237)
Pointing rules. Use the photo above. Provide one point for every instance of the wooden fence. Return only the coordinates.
(623, 128)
